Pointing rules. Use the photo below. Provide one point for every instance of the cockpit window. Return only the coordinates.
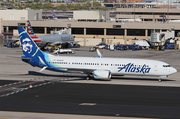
(166, 66)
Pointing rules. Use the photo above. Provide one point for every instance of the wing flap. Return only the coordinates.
(76, 70)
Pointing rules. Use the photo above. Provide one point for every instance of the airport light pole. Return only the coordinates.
(134, 10)
(168, 12)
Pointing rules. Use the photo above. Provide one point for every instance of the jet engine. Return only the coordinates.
(102, 74)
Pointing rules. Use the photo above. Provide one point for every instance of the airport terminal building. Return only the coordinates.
(93, 32)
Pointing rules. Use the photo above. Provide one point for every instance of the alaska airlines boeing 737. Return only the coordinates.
(99, 67)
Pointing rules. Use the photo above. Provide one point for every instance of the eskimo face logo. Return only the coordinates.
(27, 46)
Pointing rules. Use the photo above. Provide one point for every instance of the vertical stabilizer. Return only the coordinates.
(53, 15)
(29, 48)
(30, 30)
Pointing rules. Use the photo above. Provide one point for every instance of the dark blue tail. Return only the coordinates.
(32, 54)
(29, 48)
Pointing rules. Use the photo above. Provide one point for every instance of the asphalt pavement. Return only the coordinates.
(97, 99)
(123, 96)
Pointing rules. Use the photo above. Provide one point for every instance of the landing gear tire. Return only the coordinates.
(88, 77)
(159, 80)
(43, 49)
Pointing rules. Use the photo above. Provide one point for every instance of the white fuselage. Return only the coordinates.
(117, 66)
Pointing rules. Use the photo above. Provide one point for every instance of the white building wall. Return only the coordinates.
(89, 41)
(115, 41)
(93, 41)
(35, 14)
(20, 14)
(13, 14)
(94, 15)
(1, 27)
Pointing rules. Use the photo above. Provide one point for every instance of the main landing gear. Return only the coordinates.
(88, 77)
(159, 80)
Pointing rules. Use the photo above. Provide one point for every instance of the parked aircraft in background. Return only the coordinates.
(54, 39)
(53, 15)
(99, 68)
(128, 20)
(67, 17)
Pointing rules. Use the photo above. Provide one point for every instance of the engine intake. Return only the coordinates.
(102, 74)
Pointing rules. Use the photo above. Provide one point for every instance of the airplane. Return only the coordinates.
(67, 17)
(95, 67)
(54, 39)
(128, 20)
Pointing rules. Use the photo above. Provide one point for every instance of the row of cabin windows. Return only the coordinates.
(85, 63)
(58, 62)
(101, 64)
(89, 63)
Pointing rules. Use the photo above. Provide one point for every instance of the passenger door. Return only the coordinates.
(155, 67)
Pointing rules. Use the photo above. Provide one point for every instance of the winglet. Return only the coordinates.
(99, 54)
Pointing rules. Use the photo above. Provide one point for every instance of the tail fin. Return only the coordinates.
(30, 30)
(29, 48)
(31, 33)
(53, 15)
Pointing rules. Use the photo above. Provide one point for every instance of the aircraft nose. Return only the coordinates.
(173, 70)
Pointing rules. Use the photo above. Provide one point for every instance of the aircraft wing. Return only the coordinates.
(75, 70)
(15, 39)
(81, 70)
(61, 42)
(57, 42)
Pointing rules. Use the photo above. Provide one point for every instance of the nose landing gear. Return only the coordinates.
(162, 77)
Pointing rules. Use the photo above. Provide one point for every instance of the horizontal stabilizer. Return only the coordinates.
(25, 59)
(43, 68)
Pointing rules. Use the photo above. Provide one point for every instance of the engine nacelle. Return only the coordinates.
(102, 74)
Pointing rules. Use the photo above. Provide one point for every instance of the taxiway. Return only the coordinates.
(123, 96)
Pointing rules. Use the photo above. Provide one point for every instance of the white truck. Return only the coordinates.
(110, 47)
(61, 51)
